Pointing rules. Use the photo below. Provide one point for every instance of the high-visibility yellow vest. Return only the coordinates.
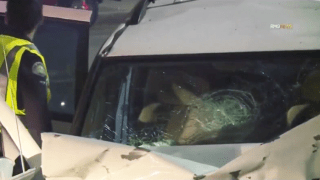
(7, 45)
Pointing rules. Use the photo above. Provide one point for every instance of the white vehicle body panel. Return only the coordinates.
(29, 146)
(12, 139)
(216, 155)
(90, 159)
(215, 26)
(295, 155)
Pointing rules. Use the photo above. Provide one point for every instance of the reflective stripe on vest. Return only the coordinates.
(14, 49)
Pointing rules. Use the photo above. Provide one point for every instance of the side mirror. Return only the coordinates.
(138, 12)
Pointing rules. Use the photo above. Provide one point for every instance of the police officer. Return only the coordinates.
(24, 85)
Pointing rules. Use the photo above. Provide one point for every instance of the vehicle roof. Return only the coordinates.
(217, 26)
(58, 12)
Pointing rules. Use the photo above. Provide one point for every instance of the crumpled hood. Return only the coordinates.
(294, 155)
(71, 157)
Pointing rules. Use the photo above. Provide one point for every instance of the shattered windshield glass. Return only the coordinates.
(188, 103)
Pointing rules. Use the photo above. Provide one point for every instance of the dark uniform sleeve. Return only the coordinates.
(32, 96)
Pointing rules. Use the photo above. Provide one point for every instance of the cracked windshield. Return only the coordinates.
(198, 102)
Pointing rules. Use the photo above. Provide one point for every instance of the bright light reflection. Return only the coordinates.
(63, 103)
